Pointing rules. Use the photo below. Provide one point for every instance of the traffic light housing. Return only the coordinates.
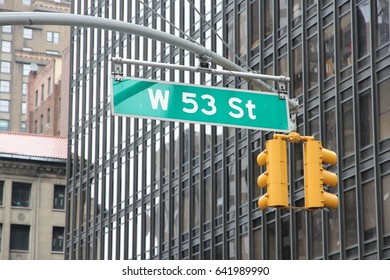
(275, 177)
(315, 177)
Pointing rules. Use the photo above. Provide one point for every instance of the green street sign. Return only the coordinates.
(200, 104)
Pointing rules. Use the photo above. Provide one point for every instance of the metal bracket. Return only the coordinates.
(205, 59)
(292, 103)
(118, 73)
(282, 91)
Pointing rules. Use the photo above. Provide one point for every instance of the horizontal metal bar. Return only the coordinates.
(36, 18)
(249, 75)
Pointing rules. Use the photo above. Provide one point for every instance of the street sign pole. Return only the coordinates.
(200, 104)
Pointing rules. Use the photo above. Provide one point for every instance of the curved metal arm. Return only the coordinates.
(35, 18)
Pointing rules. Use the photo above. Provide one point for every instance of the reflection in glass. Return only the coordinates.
(384, 109)
(363, 25)
(329, 51)
(317, 234)
(369, 210)
(386, 204)
(297, 71)
(348, 132)
(345, 40)
(365, 120)
(313, 61)
(350, 219)
(333, 231)
(254, 17)
(382, 22)
(243, 32)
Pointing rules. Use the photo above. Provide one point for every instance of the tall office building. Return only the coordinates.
(151, 189)
(25, 48)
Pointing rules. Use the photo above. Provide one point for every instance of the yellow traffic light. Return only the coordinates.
(316, 177)
(275, 177)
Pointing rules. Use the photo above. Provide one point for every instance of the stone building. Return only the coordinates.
(32, 196)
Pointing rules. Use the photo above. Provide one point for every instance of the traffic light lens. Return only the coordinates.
(263, 202)
(262, 180)
(261, 158)
(330, 178)
(331, 200)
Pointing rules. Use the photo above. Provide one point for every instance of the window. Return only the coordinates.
(5, 67)
(350, 219)
(254, 15)
(365, 119)
(24, 108)
(24, 88)
(282, 23)
(59, 197)
(27, 33)
(7, 29)
(36, 98)
(20, 235)
(58, 239)
(330, 129)
(6, 46)
(1, 234)
(243, 32)
(48, 86)
(297, 71)
(363, 25)
(27, 2)
(42, 92)
(382, 22)
(297, 12)
(345, 41)
(35, 126)
(26, 69)
(53, 37)
(23, 126)
(26, 49)
(369, 206)
(329, 51)
(48, 117)
(41, 124)
(313, 61)
(268, 17)
(4, 125)
(4, 106)
(21, 193)
(348, 133)
(386, 203)
(384, 110)
(230, 35)
(5, 86)
(1, 193)
(52, 52)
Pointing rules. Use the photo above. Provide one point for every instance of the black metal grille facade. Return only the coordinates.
(142, 189)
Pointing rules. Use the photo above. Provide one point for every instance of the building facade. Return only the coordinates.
(150, 189)
(25, 48)
(32, 196)
(47, 106)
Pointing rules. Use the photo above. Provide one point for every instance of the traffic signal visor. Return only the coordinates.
(275, 176)
(316, 177)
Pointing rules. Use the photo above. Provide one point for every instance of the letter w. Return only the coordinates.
(158, 98)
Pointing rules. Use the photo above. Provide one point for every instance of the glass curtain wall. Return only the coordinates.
(151, 189)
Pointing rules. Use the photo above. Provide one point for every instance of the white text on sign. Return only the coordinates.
(160, 100)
